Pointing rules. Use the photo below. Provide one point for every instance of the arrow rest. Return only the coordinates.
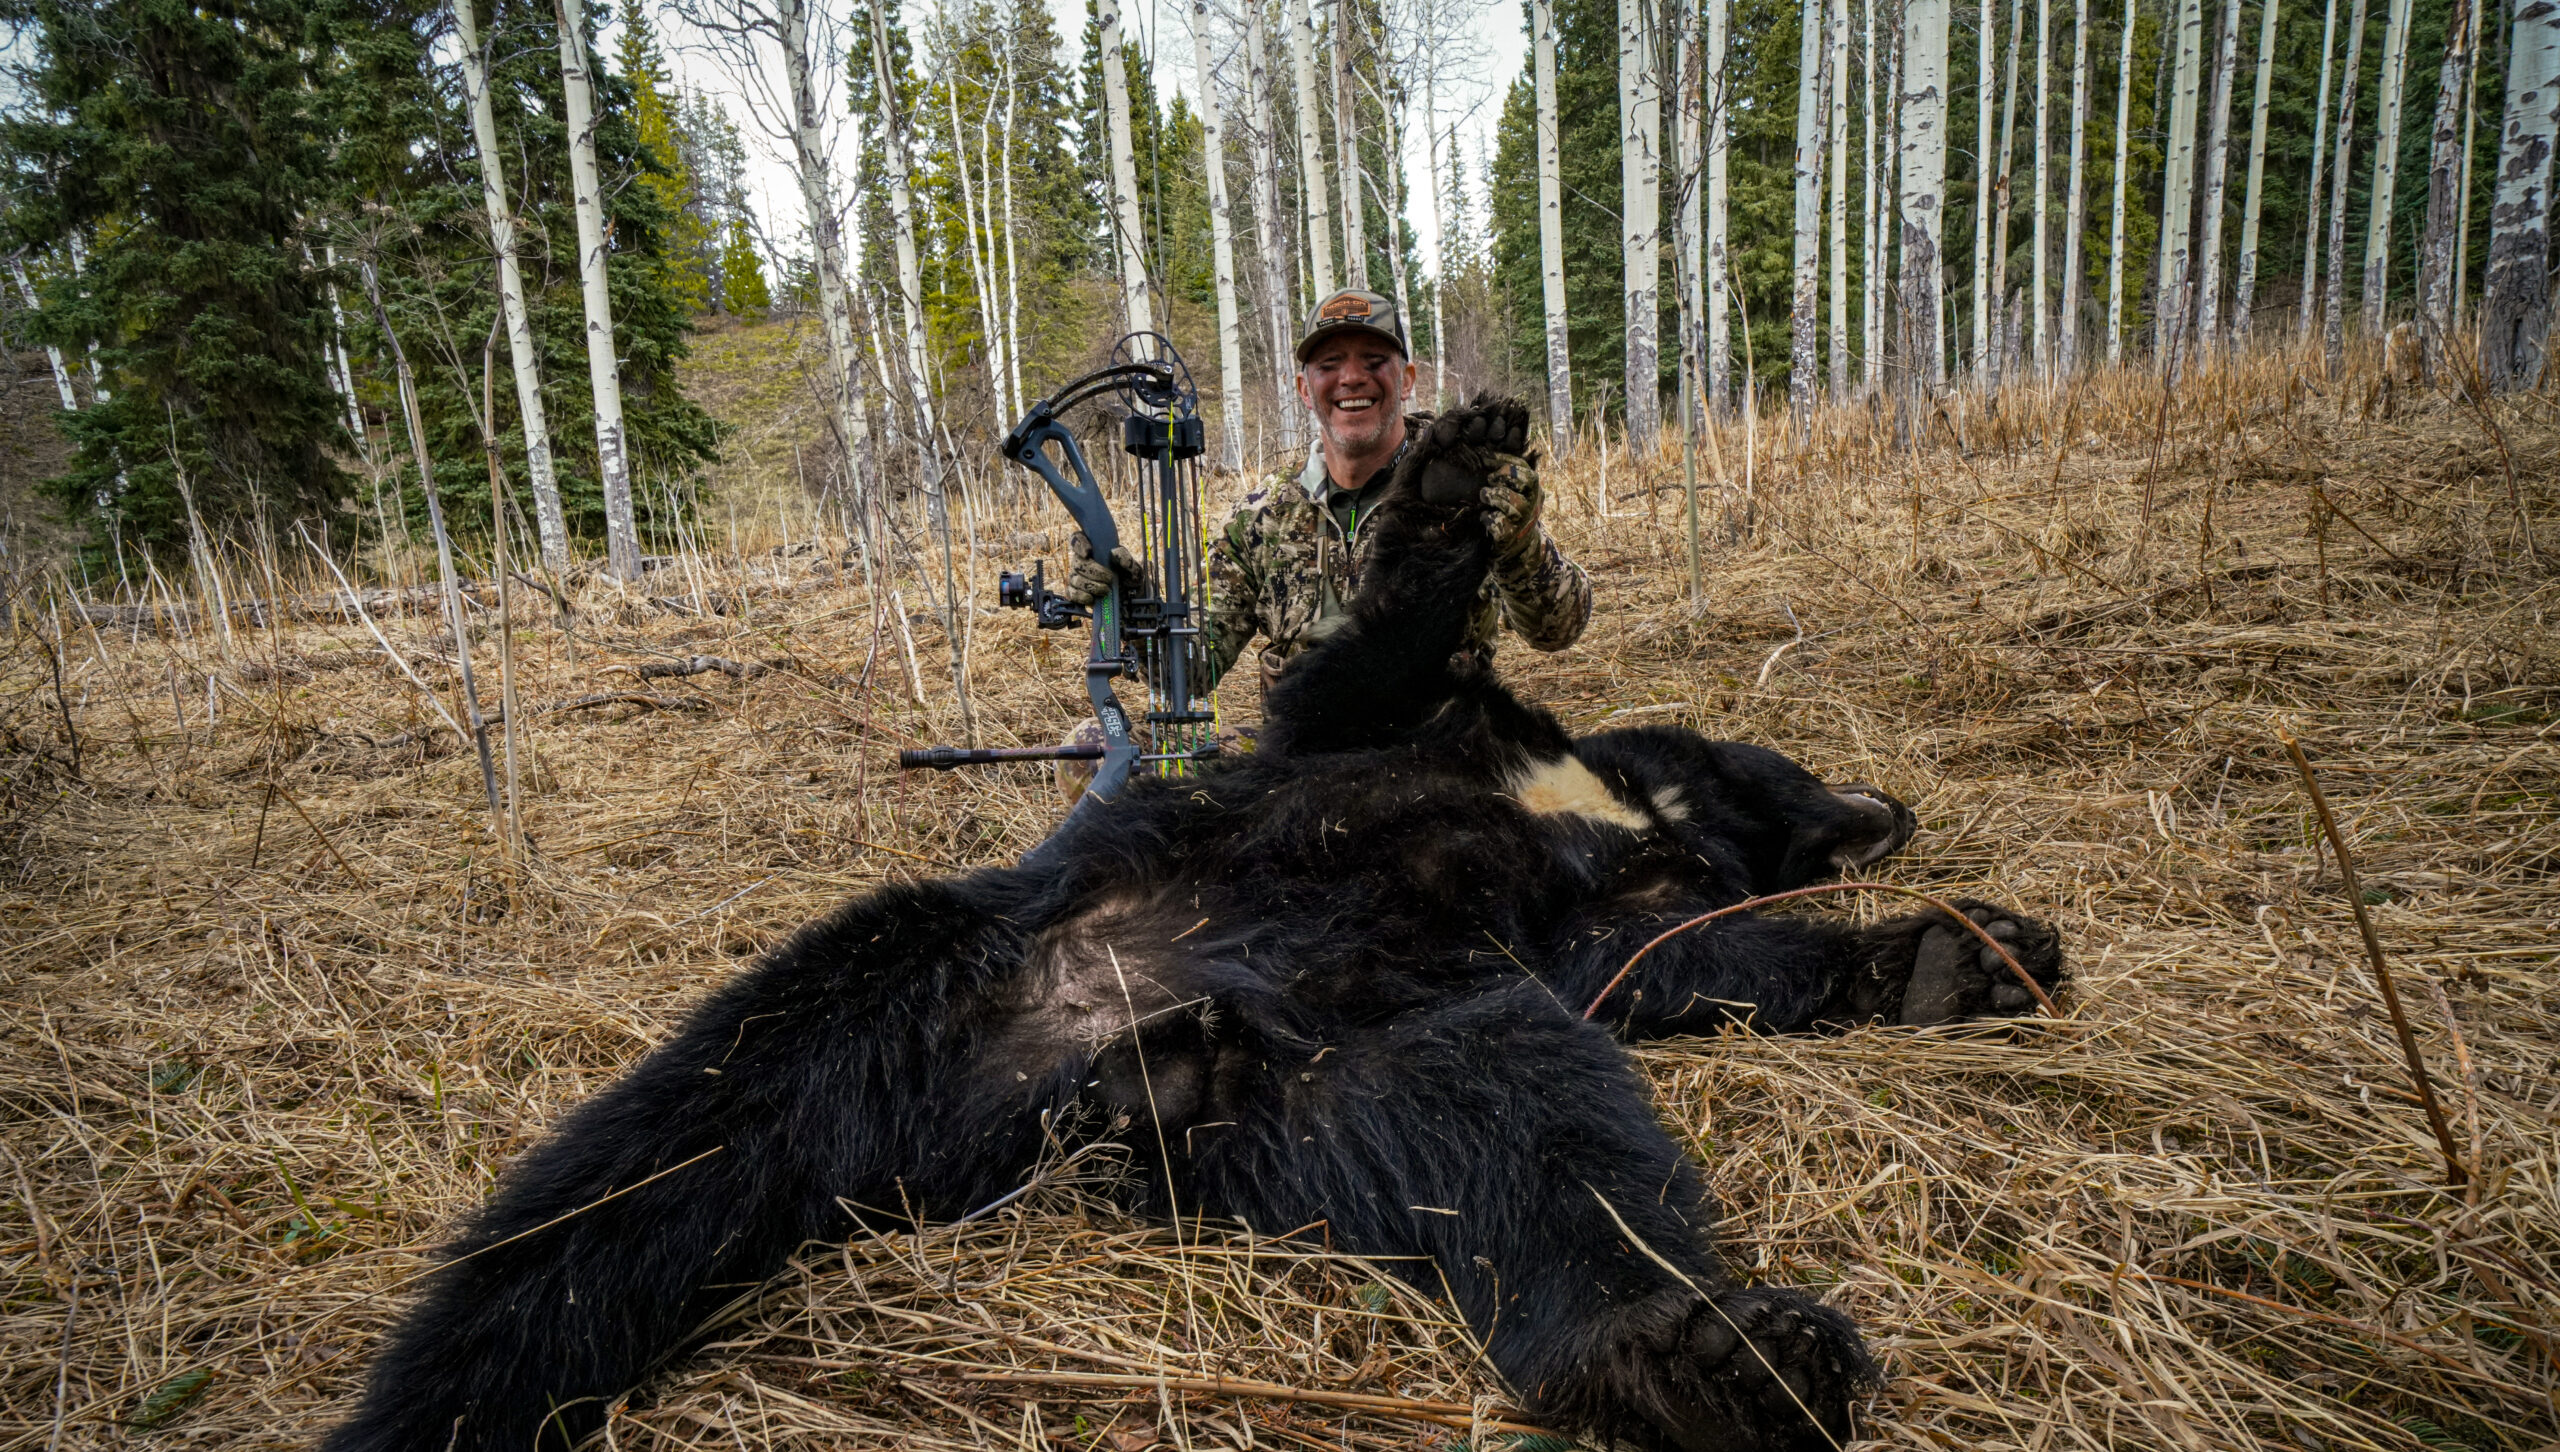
(1147, 629)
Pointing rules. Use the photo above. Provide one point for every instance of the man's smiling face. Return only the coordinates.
(1357, 385)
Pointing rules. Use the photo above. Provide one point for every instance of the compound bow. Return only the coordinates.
(1148, 628)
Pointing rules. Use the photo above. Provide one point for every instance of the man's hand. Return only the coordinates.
(1512, 497)
(1089, 579)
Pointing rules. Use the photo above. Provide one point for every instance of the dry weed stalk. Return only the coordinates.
(2197, 1212)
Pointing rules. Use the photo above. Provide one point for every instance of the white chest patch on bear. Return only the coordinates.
(1565, 787)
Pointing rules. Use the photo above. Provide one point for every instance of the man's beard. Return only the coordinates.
(1360, 431)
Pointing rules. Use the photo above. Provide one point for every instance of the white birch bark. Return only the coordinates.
(2075, 213)
(1439, 223)
(2040, 251)
(1127, 231)
(1719, 278)
(2310, 299)
(1836, 105)
(975, 227)
(2116, 219)
(1923, 144)
(604, 377)
(340, 362)
(549, 518)
(1986, 56)
(2175, 309)
(53, 355)
(1313, 195)
(1688, 227)
(1266, 223)
(1349, 172)
(1551, 233)
(1813, 58)
(2515, 304)
(1640, 207)
(2436, 307)
(919, 377)
(2217, 174)
(2333, 301)
(2386, 166)
(1871, 227)
(1222, 247)
(2462, 209)
(1012, 255)
(2244, 287)
(1391, 186)
(2000, 191)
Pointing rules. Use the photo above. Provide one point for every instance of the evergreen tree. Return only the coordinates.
(742, 286)
(690, 231)
(185, 141)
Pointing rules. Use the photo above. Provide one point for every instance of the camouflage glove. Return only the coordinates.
(1089, 579)
(1511, 499)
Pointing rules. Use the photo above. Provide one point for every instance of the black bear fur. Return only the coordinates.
(1335, 980)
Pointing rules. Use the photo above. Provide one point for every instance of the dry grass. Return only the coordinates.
(276, 1010)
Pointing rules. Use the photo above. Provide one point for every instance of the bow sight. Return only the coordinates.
(1146, 628)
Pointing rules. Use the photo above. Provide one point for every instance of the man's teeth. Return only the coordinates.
(1351, 405)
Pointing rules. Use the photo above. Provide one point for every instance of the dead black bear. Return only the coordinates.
(1341, 980)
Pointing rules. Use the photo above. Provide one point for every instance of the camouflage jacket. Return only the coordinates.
(1289, 562)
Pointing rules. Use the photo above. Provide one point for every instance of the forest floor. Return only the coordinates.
(273, 1011)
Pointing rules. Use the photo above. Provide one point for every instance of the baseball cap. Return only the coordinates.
(1354, 311)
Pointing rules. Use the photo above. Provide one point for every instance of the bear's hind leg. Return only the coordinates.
(1517, 1149)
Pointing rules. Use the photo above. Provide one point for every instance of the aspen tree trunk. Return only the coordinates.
(549, 518)
(1266, 224)
(2040, 254)
(2436, 306)
(2244, 291)
(604, 377)
(1715, 98)
(2000, 186)
(1804, 320)
(2310, 298)
(902, 217)
(2176, 290)
(1012, 255)
(1127, 229)
(2075, 213)
(2116, 221)
(1985, 58)
(2462, 208)
(1393, 201)
(2386, 166)
(2217, 172)
(1640, 203)
(2334, 299)
(1688, 227)
(1222, 247)
(1551, 235)
(1836, 92)
(53, 355)
(1871, 227)
(2515, 303)
(982, 269)
(344, 365)
(794, 25)
(1920, 215)
(1312, 194)
(1439, 222)
(1348, 170)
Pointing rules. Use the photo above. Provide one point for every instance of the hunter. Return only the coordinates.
(1289, 561)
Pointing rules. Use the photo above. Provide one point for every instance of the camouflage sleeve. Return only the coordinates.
(1546, 598)
(1235, 598)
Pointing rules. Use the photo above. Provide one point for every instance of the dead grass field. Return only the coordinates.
(273, 1009)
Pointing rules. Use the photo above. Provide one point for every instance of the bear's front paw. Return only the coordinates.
(1949, 974)
(1773, 1369)
(1448, 463)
